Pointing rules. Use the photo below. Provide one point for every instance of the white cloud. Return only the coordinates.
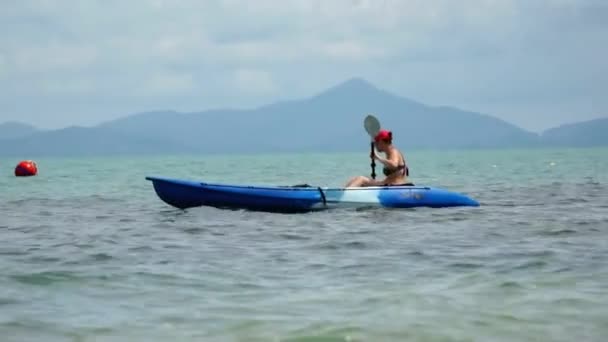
(53, 57)
(3, 66)
(351, 50)
(472, 53)
(251, 81)
(167, 83)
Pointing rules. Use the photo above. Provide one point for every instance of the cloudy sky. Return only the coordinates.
(535, 63)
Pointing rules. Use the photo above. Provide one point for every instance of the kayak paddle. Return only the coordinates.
(372, 126)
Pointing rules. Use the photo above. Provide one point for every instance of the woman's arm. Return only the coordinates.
(392, 161)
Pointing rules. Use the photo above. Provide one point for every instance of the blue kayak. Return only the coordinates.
(301, 198)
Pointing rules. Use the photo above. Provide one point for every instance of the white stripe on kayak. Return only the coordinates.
(361, 196)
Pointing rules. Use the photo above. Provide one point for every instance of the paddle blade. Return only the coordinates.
(372, 125)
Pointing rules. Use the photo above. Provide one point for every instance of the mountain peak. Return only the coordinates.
(357, 89)
(352, 88)
(353, 85)
(358, 82)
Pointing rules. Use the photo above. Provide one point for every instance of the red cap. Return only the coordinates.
(383, 135)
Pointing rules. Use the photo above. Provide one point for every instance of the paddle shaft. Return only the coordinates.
(373, 162)
(372, 126)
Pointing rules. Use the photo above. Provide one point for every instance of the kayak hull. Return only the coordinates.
(185, 194)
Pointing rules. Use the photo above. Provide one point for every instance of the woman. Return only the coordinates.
(395, 169)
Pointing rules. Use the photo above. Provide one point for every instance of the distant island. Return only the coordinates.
(328, 121)
(13, 130)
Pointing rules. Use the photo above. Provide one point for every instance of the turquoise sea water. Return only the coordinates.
(89, 253)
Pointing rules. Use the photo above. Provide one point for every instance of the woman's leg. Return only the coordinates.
(357, 181)
(363, 181)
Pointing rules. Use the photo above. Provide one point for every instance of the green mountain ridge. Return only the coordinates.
(13, 130)
(330, 120)
(582, 134)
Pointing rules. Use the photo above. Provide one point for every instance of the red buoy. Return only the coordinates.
(26, 168)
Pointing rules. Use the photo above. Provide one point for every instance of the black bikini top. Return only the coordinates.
(389, 171)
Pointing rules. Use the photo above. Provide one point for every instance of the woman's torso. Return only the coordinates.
(397, 175)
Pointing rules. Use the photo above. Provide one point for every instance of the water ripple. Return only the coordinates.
(111, 262)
